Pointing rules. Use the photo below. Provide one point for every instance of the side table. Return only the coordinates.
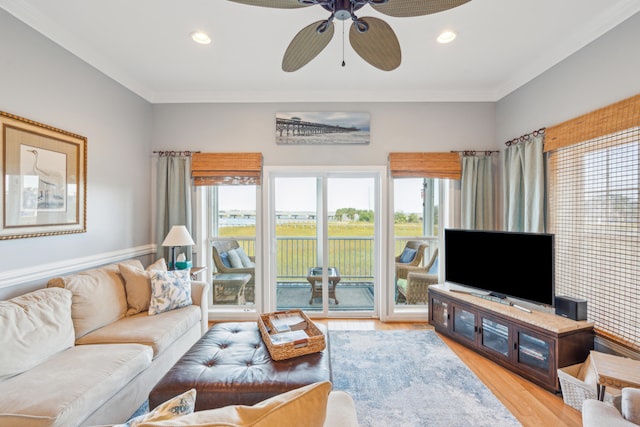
(232, 284)
(614, 371)
(314, 275)
(194, 271)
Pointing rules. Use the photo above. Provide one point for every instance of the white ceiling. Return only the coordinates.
(145, 46)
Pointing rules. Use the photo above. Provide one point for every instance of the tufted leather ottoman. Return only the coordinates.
(230, 365)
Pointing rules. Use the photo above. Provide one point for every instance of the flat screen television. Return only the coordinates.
(504, 264)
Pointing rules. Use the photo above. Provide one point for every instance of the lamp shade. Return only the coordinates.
(178, 236)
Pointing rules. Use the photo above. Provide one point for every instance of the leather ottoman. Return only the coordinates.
(230, 365)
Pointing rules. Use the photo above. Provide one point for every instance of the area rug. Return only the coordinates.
(411, 378)
(350, 297)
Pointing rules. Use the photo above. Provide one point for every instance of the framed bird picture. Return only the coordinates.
(44, 185)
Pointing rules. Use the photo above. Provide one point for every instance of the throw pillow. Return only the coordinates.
(35, 326)
(244, 258)
(630, 404)
(137, 284)
(234, 258)
(183, 404)
(169, 290)
(225, 259)
(407, 255)
(160, 264)
(305, 406)
(434, 267)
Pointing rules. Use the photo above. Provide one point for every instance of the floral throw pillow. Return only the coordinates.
(169, 290)
(183, 404)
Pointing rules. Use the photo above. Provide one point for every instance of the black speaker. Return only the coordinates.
(572, 308)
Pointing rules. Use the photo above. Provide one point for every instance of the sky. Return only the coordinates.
(297, 194)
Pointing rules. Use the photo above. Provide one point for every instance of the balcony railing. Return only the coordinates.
(353, 256)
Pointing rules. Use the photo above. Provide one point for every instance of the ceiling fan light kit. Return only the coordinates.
(371, 38)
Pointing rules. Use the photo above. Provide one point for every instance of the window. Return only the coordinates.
(594, 189)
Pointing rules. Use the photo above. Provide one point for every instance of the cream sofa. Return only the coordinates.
(601, 414)
(86, 351)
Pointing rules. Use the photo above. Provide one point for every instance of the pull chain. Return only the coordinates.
(343, 63)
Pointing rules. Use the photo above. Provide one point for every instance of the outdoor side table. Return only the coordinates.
(314, 276)
(230, 285)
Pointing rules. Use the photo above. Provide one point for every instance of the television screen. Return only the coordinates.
(506, 264)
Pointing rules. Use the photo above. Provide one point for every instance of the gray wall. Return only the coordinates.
(603, 72)
(43, 82)
(394, 127)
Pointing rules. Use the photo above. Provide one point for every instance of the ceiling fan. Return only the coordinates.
(371, 38)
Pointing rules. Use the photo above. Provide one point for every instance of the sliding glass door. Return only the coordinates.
(323, 241)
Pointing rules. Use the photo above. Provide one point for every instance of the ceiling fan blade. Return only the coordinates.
(306, 45)
(277, 4)
(407, 8)
(378, 45)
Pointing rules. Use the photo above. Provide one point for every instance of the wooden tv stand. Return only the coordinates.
(534, 345)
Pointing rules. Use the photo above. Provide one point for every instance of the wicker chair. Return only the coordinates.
(402, 269)
(418, 281)
(221, 246)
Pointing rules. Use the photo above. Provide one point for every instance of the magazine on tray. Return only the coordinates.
(285, 322)
(286, 337)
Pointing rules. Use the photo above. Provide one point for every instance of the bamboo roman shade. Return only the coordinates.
(425, 165)
(604, 121)
(226, 168)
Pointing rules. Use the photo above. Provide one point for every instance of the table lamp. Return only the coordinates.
(178, 236)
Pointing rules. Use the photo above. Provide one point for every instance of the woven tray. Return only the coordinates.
(314, 344)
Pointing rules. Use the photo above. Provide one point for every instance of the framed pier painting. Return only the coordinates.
(44, 179)
(322, 128)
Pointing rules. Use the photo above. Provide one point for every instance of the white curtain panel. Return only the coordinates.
(524, 191)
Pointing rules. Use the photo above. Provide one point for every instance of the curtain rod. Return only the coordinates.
(525, 137)
(171, 153)
(475, 152)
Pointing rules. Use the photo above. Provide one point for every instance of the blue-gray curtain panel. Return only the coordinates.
(477, 193)
(174, 199)
(524, 188)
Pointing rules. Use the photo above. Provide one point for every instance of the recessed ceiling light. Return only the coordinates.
(446, 37)
(200, 37)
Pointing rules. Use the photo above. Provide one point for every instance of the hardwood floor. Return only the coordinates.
(530, 404)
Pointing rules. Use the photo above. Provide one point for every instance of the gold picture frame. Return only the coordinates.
(44, 179)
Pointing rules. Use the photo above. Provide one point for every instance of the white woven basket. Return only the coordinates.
(575, 391)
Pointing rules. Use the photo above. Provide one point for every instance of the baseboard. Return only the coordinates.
(43, 271)
(605, 345)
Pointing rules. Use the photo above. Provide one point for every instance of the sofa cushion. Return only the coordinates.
(305, 406)
(35, 326)
(71, 385)
(246, 261)
(234, 258)
(630, 404)
(183, 404)
(98, 296)
(169, 290)
(225, 259)
(159, 331)
(137, 283)
(407, 255)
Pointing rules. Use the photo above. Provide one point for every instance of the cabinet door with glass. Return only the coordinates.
(464, 323)
(439, 312)
(534, 352)
(494, 336)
